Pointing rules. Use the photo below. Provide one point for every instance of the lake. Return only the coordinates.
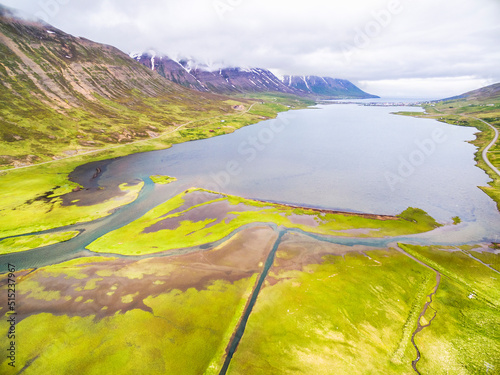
(340, 156)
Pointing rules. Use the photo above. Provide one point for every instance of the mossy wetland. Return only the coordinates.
(349, 307)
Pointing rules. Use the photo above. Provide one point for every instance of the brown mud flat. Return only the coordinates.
(92, 193)
(119, 285)
(194, 198)
(219, 211)
(325, 211)
(297, 251)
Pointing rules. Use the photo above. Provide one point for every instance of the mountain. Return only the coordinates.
(491, 92)
(223, 80)
(202, 77)
(62, 94)
(326, 87)
(170, 69)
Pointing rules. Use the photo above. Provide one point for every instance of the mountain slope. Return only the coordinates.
(491, 92)
(326, 87)
(62, 95)
(170, 69)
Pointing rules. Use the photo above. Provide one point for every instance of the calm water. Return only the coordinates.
(342, 157)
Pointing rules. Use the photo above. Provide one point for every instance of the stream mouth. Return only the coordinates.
(324, 172)
(240, 330)
(91, 231)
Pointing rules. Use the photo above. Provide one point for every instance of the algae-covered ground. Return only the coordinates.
(331, 309)
(163, 180)
(324, 308)
(164, 315)
(167, 293)
(197, 216)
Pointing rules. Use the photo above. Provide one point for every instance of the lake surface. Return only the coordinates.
(340, 157)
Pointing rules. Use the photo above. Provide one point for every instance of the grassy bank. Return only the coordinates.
(30, 198)
(175, 224)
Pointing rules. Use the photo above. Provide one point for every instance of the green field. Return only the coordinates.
(133, 239)
(354, 314)
(175, 331)
(464, 338)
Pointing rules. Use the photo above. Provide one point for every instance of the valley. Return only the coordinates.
(169, 218)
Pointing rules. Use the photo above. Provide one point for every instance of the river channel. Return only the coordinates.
(341, 157)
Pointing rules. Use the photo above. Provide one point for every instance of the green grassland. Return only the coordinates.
(131, 239)
(465, 112)
(464, 338)
(28, 213)
(16, 244)
(184, 332)
(351, 314)
(279, 99)
(354, 314)
(492, 259)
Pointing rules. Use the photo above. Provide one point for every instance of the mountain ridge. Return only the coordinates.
(483, 93)
(238, 80)
(326, 87)
(63, 95)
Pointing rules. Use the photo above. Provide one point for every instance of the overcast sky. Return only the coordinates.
(409, 48)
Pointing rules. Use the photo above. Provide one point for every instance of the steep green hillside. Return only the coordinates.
(62, 95)
(491, 92)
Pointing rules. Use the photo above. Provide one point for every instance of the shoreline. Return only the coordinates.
(328, 211)
(483, 145)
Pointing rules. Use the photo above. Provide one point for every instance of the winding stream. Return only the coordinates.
(339, 157)
(427, 304)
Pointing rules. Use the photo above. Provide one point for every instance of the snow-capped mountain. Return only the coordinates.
(223, 80)
(326, 86)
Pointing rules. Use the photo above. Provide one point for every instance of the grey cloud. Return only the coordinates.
(361, 40)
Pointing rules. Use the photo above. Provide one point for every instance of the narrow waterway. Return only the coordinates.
(420, 327)
(240, 330)
(340, 157)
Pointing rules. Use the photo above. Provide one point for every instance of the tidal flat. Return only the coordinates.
(176, 274)
(322, 307)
